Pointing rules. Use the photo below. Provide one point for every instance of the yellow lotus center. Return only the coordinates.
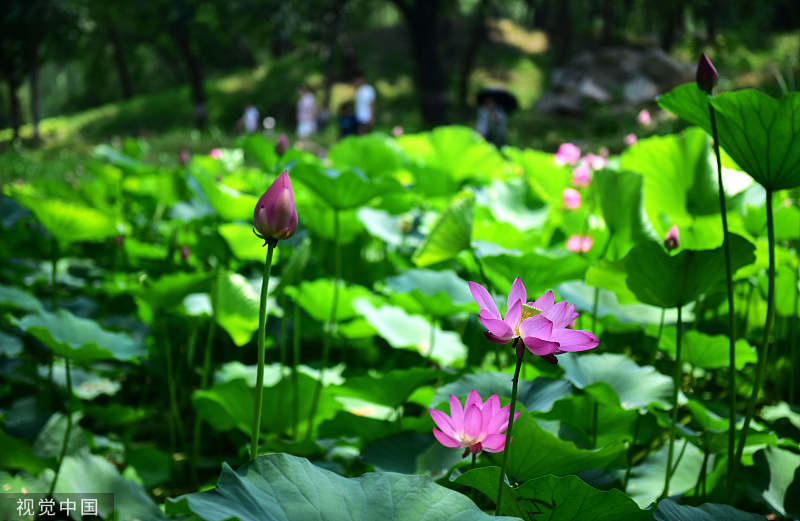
(527, 312)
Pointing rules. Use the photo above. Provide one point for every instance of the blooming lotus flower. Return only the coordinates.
(580, 243)
(477, 426)
(582, 175)
(644, 118)
(498, 329)
(568, 154)
(595, 161)
(672, 239)
(216, 153)
(548, 334)
(572, 198)
(707, 75)
(631, 139)
(275, 216)
(282, 145)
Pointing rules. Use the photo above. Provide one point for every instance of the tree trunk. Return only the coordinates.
(711, 20)
(672, 24)
(120, 61)
(478, 34)
(561, 32)
(423, 23)
(331, 45)
(608, 22)
(181, 36)
(14, 111)
(34, 90)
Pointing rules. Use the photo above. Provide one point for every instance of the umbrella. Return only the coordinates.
(501, 96)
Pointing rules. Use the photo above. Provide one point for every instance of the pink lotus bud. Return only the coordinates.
(184, 156)
(644, 118)
(185, 252)
(707, 75)
(631, 139)
(672, 240)
(397, 131)
(282, 145)
(216, 153)
(572, 198)
(568, 154)
(275, 216)
(580, 243)
(581, 176)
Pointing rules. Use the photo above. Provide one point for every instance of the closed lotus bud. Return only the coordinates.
(275, 216)
(707, 76)
(282, 145)
(672, 240)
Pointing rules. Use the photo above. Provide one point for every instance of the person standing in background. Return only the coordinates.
(250, 118)
(364, 104)
(306, 112)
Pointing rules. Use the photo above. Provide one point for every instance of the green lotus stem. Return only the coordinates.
(67, 433)
(431, 340)
(793, 337)
(262, 332)
(676, 382)
(731, 310)
(295, 364)
(520, 353)
(326, 339)
(205, 374)
(630, 452)
(658, 336)
(762, 355)
(173, 395)
(595, 413)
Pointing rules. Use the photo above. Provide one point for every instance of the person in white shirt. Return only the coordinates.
(364, 104)
(306, 112)
(250, 119)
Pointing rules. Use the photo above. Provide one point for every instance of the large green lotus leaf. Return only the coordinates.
(230, 204)
(170, 290)
(163, 186)
(787, 223)
(621, 203)
(647, 479)
(536, 452)
(292, 269)
(546, 179)
(707, 351)
(438, 293)
(576, 414)
(342, 189)
(567, 498)
(152, 465)
(374, 154)
(80, 339)
(679, 186)
(10, 346)
(237, 307)
(660, 279)
(281, 487)
(412, 452)
(229, 405)
(244, 244)
(388, 227)
(323, 224)
(18, 454)
(636, 386)
(540, 271)
(70, 222)
(450, 233)
(779, 411)
(538, 394)
(404, 331)
(785, 290)
(758, 131)
(18, 300)
(259, 149)
(611, 276)
(316, 298)
(390, 389)
(782, 468)
(506, 201)
(669, 510)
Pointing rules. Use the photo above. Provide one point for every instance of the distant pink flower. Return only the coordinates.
(478, 426)
(185, 252)
(281, 145)
(572, 198)
(631, 139)
(498, 329)
(604, 151)
(568, 154)
(397, 131)
(644, 118)
(672, 239)
(548, 334)
(582, 175)
(580, 243)
(596, 162)
(216, 153)
(184, 156)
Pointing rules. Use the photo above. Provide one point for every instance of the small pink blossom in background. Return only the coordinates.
(631, 139)
(282, 144)
(595, 162)
(184, 156)
(216, 153)
(477, 426)
(580, 243)
(572, 198)
(397, 131)
(582, 175)
(604, 151)
(568, 154)
(185, 252)
(672, 239)
(644, 118)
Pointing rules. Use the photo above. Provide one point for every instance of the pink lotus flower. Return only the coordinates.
(478, 426)
(631, 139)
(542, 324)
(275, 216)
(568, 154)
(216, 153)
(580, 243)
(582, 175)
(672, 239)
(572, 198)
(644, 118)
(596, 162)
(397, 131)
